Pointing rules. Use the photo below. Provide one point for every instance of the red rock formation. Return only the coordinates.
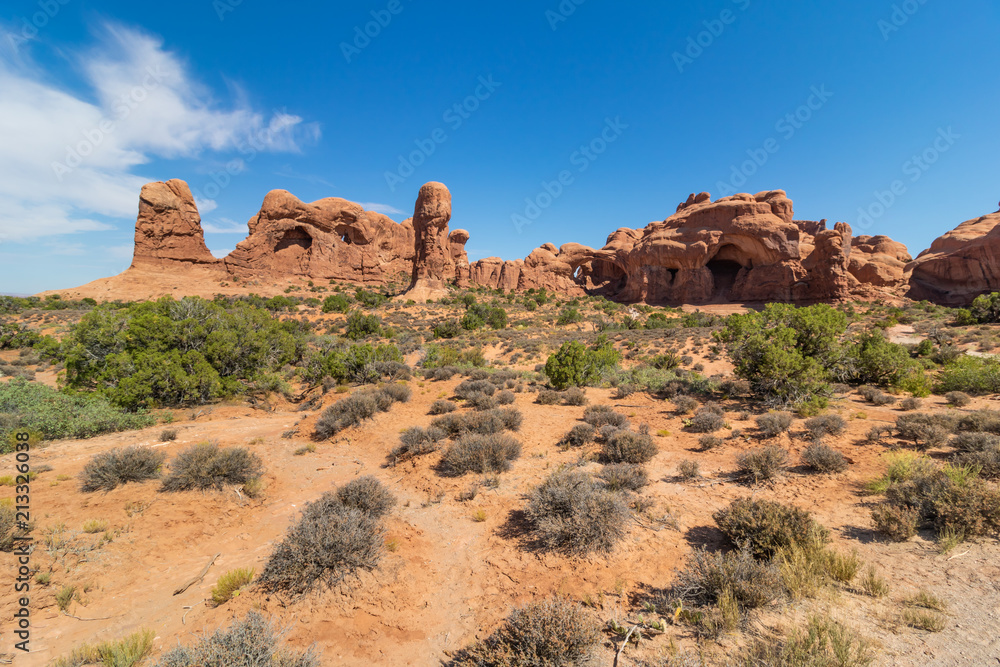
(327, 239)
(960, 265)
(879, 261)
(168, 228)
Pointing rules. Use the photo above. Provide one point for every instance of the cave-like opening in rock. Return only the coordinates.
(295, 242)
(724, 272)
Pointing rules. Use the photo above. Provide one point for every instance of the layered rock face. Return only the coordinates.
(168, 228)
(960, 265)
(329, 239)
(742, 248)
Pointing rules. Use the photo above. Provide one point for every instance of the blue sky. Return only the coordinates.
(670, 98)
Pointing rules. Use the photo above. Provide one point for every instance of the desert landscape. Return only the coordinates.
(727, 438)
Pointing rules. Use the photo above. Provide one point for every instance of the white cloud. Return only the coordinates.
(68, 158)
(225, 226)
(219, 254)
(384, 209)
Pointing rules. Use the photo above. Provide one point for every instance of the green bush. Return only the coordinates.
(873, 359)
(972, 375)
(360, 325)
(36, 408)
(170, 352)
(575, 365)
(765, 527)
(15, 336)
(569, 316)
(570, 512)
(109, 470)
(336, 303)
(985, 309)
(448, 329)
(551, 633)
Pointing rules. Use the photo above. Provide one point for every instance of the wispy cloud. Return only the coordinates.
(384, 209)
(287, 171)
(69, 150)
(225, 226)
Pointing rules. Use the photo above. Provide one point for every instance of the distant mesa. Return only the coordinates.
(739, 249)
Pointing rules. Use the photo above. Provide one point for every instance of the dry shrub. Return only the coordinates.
(685, 404)
(951, 499)
(551, 633)
(570, 512)
(624, 477)
(629, 447)
(548, 397)
(707, 420)
(604, 415)
(506, 397)
(958, 399)
(442, 407)
(707, 575)
(774, 424)
(765, 527)
(709, 442)
(910, 404)
(346, 413)
(481, 454)
(109, 470)
(689, 470)
(207, 466)
(925, 430)
(482, 402)
(821, 643)
(251, 642)
(762, 463)
(579, 435)
(327, 544)
(469, 387)
(823, 458)
(416, 441)
(897, 523)
(824, 425)
(575, 396)
(367, 494)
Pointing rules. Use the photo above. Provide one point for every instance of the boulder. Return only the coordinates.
(960, 265)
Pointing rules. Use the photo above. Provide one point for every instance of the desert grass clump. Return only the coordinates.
(250, 642)
(629, 447)
(873, 584)
(570, 512)
(208, 466)
(823, 642)
(230, 583)
(94, 526)
(774, 424)
(952, 498)
(689, 470)
(416, 441)
(126, 652)
(328, 543)
(707, 420)
(604, 415)
(168, 435)
(482, 454)
(367, 494)
(624, 477)
(927, 621)
(579, 435)
(550, 633)
(762, 463)
(825, 425)
(442, 407)
(765, 527)
(824, 458)
(109, 470)
(346, 413)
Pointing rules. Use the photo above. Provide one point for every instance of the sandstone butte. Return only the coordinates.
(739, 249)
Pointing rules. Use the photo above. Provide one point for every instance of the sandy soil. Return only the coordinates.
(447, 578)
